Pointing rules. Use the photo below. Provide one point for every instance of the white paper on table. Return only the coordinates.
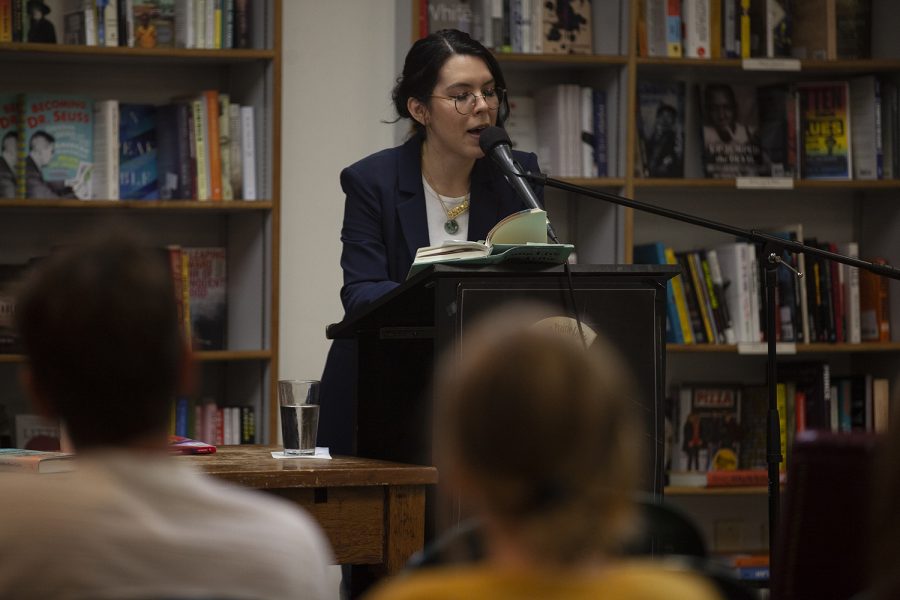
(322, 453)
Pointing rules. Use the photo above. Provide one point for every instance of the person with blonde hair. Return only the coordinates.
(538, 434)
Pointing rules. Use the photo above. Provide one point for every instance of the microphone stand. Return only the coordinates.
(773, 248)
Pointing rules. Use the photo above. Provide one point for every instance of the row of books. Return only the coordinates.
(566, 126)
(70, 146)
(718, 430)
(809, 130)
(520, 26)
(804, 29)
(213, 24)
(205, 421)
(200, 277)
(719, 297)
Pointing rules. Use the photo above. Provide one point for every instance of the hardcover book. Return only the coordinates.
(731, 145)
(36, 461)
(823, 115)
(661, 128)
(208, 300)
(56, 141)
(567, 27)
(154, 23)
(709, 427)
(34, 432)
(138, 175)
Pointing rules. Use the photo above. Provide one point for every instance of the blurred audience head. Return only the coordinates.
(99, 326)
(540, 435)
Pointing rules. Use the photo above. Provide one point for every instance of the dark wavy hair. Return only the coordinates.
(423, 64)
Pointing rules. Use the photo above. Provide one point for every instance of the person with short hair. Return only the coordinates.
(437, 186)
(41, 147)
(539, 437)
(105, 356)
(9, 148)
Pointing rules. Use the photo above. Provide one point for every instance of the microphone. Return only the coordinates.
(495, 143)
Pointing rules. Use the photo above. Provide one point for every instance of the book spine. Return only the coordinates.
(199, 108)
(22, 152)
(737, 478)
(702, 297)
(249, 153)
(228, 26)
(674, 46)
(680, 301)
(696, 28)
(690, 294)
(184, 24)
(213, 147)
(654, 14)
(106, 150)
(718, 285)
(110, 16)
(217, 25)
(6, 21)
(225, 146)
(209, 24)
(601, 147)
(237, 174)
(715, 28)
(744, 20)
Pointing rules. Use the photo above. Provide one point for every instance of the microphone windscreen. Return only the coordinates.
(491, 137)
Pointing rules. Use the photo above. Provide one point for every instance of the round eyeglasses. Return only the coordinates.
(465, 103)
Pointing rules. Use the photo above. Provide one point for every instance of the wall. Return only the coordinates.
(338, 70)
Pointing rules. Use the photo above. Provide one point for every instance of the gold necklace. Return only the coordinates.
(450, 225)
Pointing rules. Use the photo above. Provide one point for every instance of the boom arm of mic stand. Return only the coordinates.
(773, 247)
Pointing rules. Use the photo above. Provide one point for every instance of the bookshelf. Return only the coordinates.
(244, 373)
(863, 211)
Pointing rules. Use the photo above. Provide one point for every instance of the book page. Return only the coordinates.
(520, 228)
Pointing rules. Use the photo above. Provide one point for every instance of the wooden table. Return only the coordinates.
(372, 511)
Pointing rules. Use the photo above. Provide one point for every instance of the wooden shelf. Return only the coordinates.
(818, 348)
(71, 53)
(596, 182)
(799, 184)
(718, 491)
(561, 59)
(212, 356)
(151, 205)
(831, 66)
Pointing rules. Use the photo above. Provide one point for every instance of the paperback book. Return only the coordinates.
(731, 145)
(823, 115)
(208, 297)
(661, 128)
(56, 141)
(138, 170)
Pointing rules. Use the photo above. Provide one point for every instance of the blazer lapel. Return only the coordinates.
(411, 203)
(484, 205)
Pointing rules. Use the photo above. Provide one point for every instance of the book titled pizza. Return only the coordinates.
(823, 115)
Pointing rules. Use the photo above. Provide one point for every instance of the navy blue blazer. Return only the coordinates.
(385, 222)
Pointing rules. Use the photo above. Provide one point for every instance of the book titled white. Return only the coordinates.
(696, 28)
(106, 150)
(248, 142)
(850, 287)
(185, 36)
(36, 461)
(865, 115)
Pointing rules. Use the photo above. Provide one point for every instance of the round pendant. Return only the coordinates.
(451, 226)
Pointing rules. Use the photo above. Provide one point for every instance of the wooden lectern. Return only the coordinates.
(400, 335)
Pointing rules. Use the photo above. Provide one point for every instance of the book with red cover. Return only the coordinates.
(182, 445)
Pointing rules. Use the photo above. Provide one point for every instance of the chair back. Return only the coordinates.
(822, 540)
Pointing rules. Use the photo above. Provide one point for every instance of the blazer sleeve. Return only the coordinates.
(364, 257)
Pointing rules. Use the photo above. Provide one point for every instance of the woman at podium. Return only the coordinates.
(437, 186)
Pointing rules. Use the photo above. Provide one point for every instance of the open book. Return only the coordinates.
(520, 237)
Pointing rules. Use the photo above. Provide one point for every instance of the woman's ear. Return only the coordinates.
(418, 110)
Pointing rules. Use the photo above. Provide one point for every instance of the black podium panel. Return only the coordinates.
(403, 333)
